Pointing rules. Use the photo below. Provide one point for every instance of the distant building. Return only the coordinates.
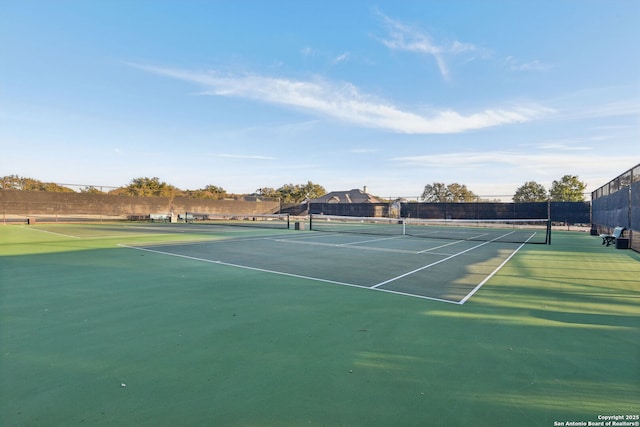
(351, 196)
(354, 202)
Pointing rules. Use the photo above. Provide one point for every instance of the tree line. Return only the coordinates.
(569, 188)
(145, 187)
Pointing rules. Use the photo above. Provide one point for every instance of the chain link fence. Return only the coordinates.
(617, 204)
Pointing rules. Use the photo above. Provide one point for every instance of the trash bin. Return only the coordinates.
(31, 221)
(622, 243)
(298, 225)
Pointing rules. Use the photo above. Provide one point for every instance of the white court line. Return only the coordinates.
(441, 246)
(451, 235)
(486, 279)
(375, 287)
(406, 294)
(102, 236)
(371, 240)
(314, 235)
(246, 267)
(148, 227)
(346, 245)
(205, 241)
(51, 232)
(355, 244)
(393, 279)
(316, 279)
(99, 236)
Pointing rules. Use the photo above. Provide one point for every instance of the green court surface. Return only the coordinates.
(179, 324)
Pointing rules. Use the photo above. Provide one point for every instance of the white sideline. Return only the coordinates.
(474, 290)
(51, 232)
(245, 267)
(486, 279)
(393, 279)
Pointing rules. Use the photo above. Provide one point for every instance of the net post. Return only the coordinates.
(310, 221)
(549, 221)
(288, 221)
(404, 226)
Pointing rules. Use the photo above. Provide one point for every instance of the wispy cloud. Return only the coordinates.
(345, 102)
(602, 109)
(363, 150)
(343, 57)
(308, 51)
(241, 156)
(401, 36)
(515, 64)
(559, 146)
(332, 58)
(501, 172)
(547, 164)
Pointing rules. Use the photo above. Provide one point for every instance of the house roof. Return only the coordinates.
(351, 196)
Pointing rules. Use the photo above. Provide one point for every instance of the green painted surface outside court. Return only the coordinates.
(553, 336)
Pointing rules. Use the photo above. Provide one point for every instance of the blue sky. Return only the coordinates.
(392, 95)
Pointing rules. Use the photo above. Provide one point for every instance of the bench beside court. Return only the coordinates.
(608, 239)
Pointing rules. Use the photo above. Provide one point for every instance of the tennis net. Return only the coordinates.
(243, 220)
(512, 231)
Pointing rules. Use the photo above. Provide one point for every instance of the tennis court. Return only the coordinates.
(200, 324)
(442, 270)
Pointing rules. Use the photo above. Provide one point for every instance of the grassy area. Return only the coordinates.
(554, 336)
